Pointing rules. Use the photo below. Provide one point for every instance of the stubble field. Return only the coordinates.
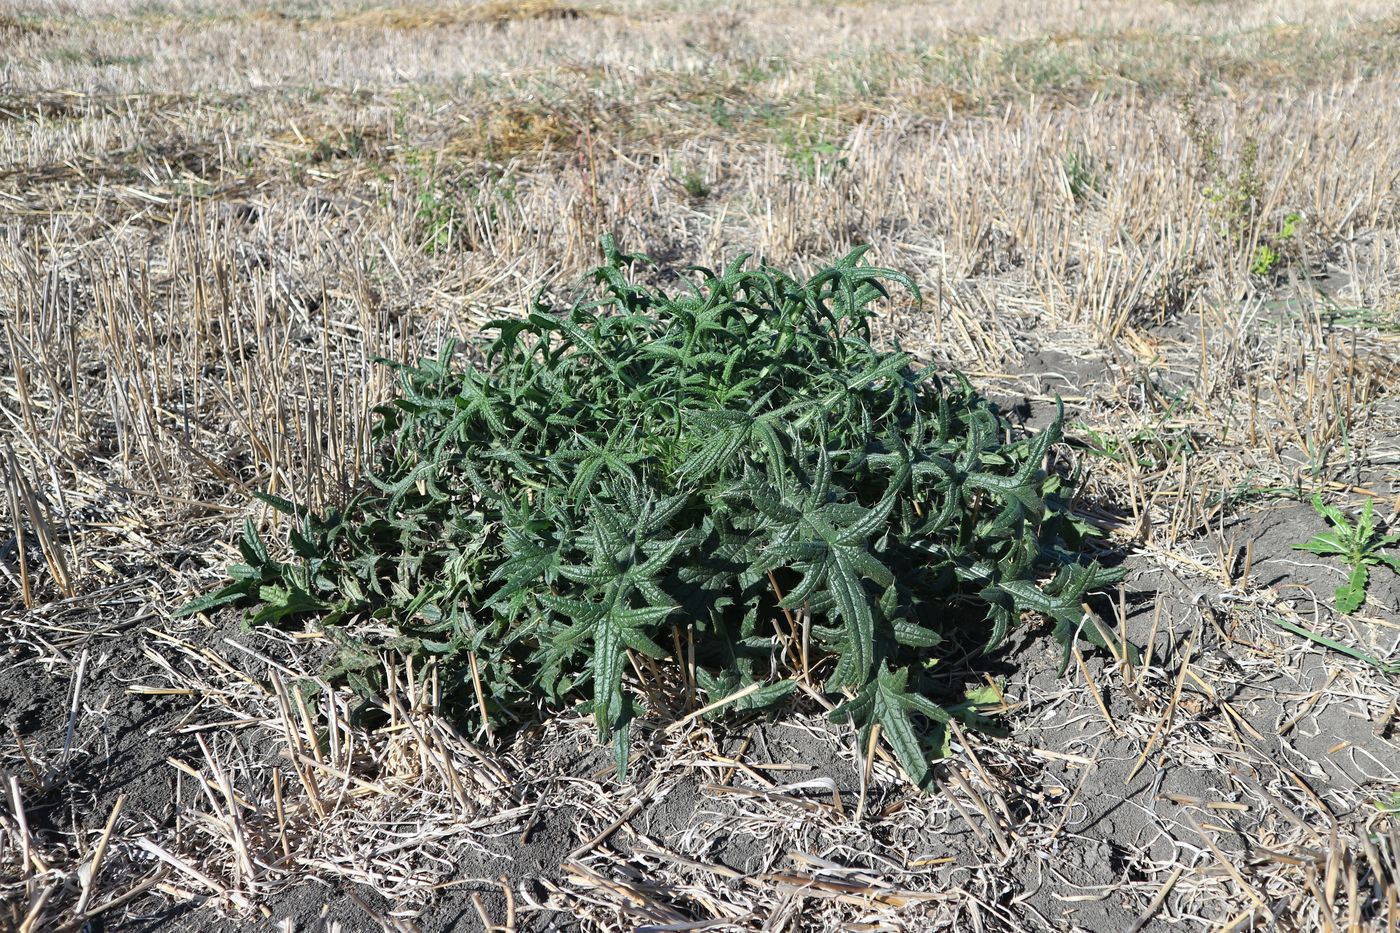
(1183, 218)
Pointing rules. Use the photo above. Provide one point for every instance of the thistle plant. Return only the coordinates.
(1359, 545)
(732, 480)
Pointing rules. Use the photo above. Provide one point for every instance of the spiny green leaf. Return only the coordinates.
(1360, 545)
(1352, 594)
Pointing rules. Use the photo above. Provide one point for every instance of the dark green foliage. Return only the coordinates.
(642, 471)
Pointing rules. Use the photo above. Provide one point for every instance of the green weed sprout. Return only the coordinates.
(1359, 545)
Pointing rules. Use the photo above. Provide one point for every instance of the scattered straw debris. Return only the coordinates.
(493, 12)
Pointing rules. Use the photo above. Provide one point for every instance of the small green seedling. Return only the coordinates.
(1270, 255)
(1359, 545)
(1081, 173)
(1266, 259)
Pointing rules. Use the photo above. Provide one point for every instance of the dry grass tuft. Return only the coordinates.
(14, 27)
(511, 130)
(494, 12)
